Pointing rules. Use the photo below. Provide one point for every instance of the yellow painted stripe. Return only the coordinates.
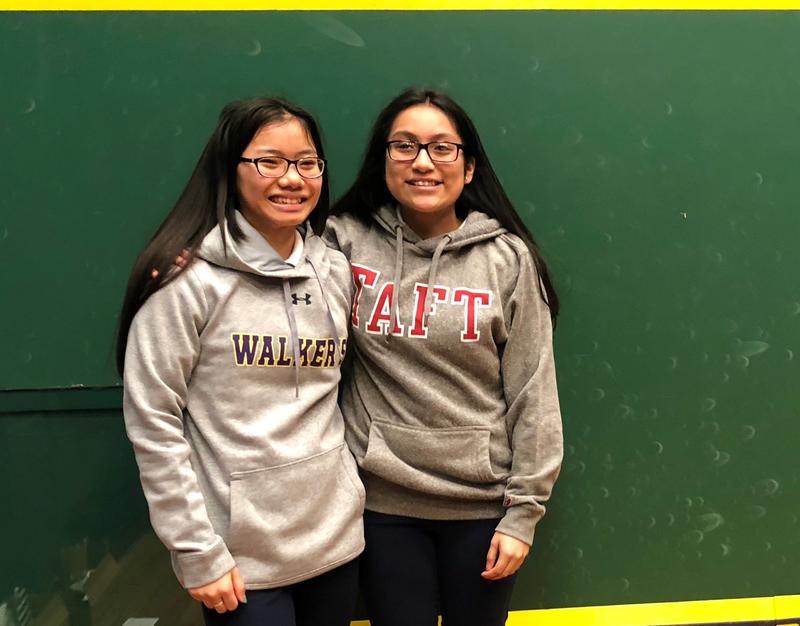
(648, 614)
(662, 613)
(787, 607)
(396, 5)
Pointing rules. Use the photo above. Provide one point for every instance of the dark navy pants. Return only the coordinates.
(414, 569)
(325, 600)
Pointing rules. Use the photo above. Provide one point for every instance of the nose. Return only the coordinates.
(423, 162)
(292, 177)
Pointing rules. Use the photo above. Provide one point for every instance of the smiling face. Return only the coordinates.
(426, 190)
(275, 206)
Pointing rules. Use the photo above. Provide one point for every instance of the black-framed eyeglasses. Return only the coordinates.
(275, 166)
(437, 151)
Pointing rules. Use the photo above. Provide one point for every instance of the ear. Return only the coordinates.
(469, 171)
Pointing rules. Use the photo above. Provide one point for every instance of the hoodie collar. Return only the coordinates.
(476, 227)
(257, 252)
(255, 256)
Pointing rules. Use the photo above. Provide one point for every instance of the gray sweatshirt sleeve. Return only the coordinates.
(534, 417)
(162, 350)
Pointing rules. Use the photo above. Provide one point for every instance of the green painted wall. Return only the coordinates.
(655, 157)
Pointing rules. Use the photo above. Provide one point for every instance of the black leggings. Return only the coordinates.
(325, 600)
(413, 569)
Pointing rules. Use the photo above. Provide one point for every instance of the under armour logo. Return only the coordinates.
(306, 299)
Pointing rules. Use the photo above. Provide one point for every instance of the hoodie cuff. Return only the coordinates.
(201, 568)
(520, 522)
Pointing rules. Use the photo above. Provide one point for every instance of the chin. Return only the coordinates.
(296, 221)
(280, 221)
(427, 209)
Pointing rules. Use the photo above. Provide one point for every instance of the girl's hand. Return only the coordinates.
(182, 260)
(506, 555)
(224, 594)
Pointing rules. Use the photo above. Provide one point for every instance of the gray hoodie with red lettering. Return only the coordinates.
(450, 404)
(231, 378)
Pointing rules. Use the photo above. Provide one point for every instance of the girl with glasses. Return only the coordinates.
(450, 403)
(231, 367)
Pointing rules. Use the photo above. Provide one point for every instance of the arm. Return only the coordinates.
(162, 350)
(533, 418)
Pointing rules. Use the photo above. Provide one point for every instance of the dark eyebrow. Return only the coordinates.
(276, 152)
(405, 134)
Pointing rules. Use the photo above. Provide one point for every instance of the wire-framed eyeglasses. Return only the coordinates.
(437, 151)
(275, 166)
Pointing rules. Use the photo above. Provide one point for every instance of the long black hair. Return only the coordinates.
(485, 193)
(209, 199)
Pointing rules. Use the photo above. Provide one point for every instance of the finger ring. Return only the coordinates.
(220, 603)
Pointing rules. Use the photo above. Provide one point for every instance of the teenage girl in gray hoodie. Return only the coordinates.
(450, 404)
(231, 368)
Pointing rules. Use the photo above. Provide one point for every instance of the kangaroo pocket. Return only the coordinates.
(292, 521)
(451, 462)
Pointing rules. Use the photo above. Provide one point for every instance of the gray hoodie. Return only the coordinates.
(231, 375)
(451, 404)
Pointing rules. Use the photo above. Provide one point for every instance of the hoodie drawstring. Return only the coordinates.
(398, 274)
(432, 275)
(334, 332)
(292, 336)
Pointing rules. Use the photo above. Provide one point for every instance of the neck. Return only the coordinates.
(281, 239)
(428, 225)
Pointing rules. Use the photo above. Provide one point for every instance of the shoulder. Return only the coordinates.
(184, 288)
(509, 255)
(200, 272)
(334, 257)
(514, 245)
(344, 221)
(330, 260)
(184, 281)
(514, 269)
(524, 263)
(333, 266)
(177, 306)
(342, 230)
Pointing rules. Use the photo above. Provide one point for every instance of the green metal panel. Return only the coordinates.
(653, 154)
(60, 399)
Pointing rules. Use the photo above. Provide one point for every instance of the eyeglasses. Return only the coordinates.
(437, 151)
(275, 166)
